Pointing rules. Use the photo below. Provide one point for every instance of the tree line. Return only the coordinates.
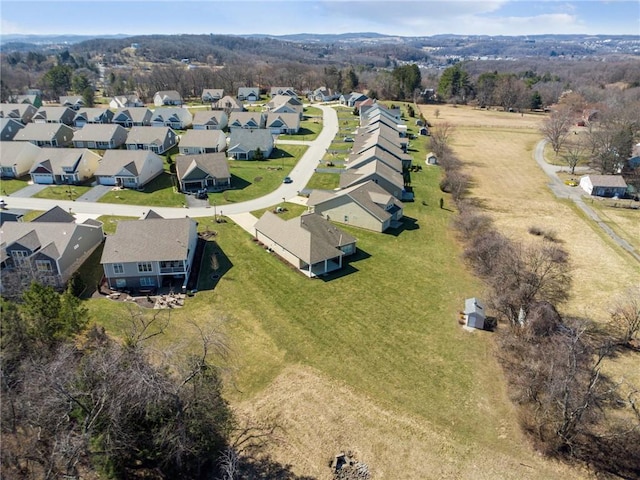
(567, 404)
(76, 402)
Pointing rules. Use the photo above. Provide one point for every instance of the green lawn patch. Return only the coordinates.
(309, 130)
(13, 185)
(160, 192)
(323, 181)
(110, 222)
(62, 192)
(292, 210)
(312, 112)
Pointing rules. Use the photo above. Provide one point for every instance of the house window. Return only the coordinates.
(118, 268)
(145, 267)
(346, 218)
(19, 256)
(121, 282)
(147, 282)
(43, 266)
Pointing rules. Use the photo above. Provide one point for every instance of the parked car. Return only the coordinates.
(287, 180)
(348, 139)
(202, 194)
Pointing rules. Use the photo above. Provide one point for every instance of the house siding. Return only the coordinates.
(342, 210)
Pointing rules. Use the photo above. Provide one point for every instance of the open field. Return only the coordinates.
(371, 359)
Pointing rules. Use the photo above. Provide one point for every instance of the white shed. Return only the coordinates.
(474, 313)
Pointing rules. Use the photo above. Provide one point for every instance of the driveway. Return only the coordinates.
(561, 190)
(29, 191)
(301, 174)
(94, 194)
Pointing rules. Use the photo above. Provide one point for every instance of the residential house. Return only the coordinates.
(375, 154)
(228, 104)
(247, 120)
(285, 104)
(129, 169)
(308, 242)
(288, 91)
(431, 159)
(133, 117)
(207, 171)
(49, 252)
(245, 143)
(167, 97)
(210, 95)
(12, 214)
(385, 130)
(69, 166)
(323, 94)
(17, 158)
(350, 99)
(156, 139)
(55, 215)
(287, 123)
(74, 102)
(9, 127)
(364, 144)
(604, 185)
(34, 99)
(125, 101)
(101, 137)
(23, 112)
(210, 120)
(92, 115)
(368, 112)
(174, 117)
(249, 94)
(46, 134)
(150, 253)
(376, 171)
(365, 205)
(54, 115)
(202, 141)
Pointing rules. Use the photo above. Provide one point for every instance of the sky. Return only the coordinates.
(280, 17)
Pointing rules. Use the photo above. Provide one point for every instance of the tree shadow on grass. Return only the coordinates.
(214, 264)
(161, 182)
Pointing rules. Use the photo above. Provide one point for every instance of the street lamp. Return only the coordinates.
(215, 215)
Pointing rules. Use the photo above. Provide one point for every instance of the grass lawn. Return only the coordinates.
(324, 181)
(158, 193)
(292, 210)
(309, 130)
(110, 222)
(10, 186)
(312, 112)
(62, 192)
(252, 179)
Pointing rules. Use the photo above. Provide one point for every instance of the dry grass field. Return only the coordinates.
(497, 150)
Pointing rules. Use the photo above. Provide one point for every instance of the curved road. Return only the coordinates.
(300, 174)
(561, 190)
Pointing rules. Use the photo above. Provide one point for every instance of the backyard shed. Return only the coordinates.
(474, 313)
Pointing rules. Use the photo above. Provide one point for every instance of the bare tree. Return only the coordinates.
(555, 128)
(572, 154)
(625, 315)
(441, 136)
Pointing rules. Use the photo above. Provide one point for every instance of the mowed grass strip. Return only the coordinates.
(160, 192)
(9, 186)
(62, 192)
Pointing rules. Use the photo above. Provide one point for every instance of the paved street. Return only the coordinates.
(300, 175)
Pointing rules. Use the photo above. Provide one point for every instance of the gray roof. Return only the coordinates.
(55, 159)
(55, 215)
(148, 135)
(135, 114)
(291, 120)
(229, 102)
(357, 175)
(54, 113)
(94, 113)
(212, 164)
(203, 117)
(245, 117)
(250, 139)
(154, 239)
(98, 132)
(43, 131)
(213, 92)
(20, 111)
(71, 100)
(9, 151)
(202, 138)
(369, 195)
(607, 181)
(309, 237)
(375, 153)
(114, 161)
(54, 238)
(168, 95)
(172, 114)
